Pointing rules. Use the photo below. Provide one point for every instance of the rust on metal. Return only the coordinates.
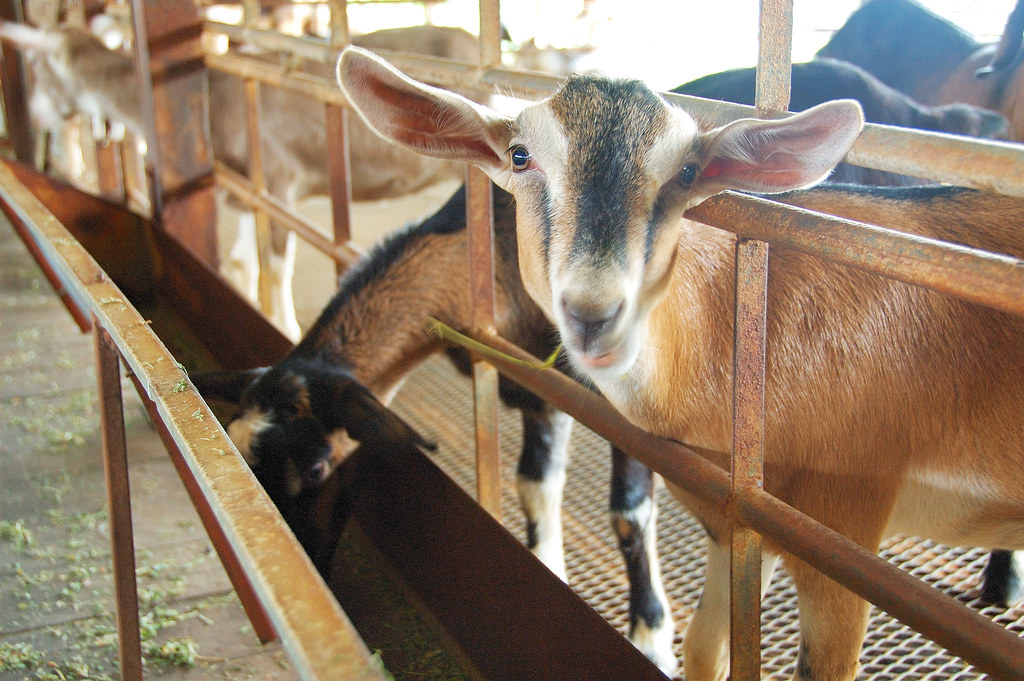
(480, 235)
(119, 506)
(775, 49)
(971, 274)
(748, 452)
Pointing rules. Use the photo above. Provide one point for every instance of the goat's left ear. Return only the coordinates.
(367, 420)
(774, 156)
(427, 120)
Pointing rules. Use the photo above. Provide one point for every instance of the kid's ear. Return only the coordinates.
(772, 156)
(428, 120)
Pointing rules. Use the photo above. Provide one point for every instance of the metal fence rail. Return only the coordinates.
(298, 606)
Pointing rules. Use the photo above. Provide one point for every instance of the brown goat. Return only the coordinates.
(888, 408)
(375, 331)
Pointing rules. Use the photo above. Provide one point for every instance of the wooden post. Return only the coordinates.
(175, 107)
(12, 84)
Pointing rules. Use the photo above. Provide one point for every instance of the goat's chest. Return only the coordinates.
(650, 399)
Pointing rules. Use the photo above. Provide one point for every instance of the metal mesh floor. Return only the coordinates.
(437, 401)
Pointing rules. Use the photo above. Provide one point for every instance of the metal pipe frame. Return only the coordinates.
(987, 278)
(316, 634)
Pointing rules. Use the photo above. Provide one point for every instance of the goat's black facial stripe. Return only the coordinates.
(547, 219)
(613, 124)
(654, 225)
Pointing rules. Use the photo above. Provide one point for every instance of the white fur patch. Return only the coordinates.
(245, 430)
(542, 502)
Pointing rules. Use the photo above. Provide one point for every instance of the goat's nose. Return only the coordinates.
(588, 322)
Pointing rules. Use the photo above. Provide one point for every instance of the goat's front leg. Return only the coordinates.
(281, 266)
(242, 266)
(834, 620)
(634, 520)
(1002, 580)
(541, 479)
(706, 645)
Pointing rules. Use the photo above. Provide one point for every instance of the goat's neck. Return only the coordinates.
(680, 386)
(378, 327)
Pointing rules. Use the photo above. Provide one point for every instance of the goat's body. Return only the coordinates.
(927, 57)
(376, 330)
(844, 377)
(888, 407)
(903, 44)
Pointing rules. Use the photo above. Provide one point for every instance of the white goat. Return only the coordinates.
(889, 408)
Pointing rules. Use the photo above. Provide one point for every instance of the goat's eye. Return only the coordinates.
(688, 174)
(520, 158)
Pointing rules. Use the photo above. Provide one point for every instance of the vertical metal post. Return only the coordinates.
(747, 453)
(175, 108)
(13, 89)
(115, 466)
(480, 215)
(775, 55)
(771, 93)
(339, 170)
(339, 23)
(490, 34)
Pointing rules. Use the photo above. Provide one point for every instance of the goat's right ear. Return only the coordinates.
(427, 120)
(226, 385)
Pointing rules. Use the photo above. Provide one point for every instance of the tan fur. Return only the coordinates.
(887, 407)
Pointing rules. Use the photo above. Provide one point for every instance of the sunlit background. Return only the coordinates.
(664, 42)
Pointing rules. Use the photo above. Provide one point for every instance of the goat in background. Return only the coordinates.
(74, 71)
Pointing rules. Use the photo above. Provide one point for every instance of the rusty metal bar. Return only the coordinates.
(258, 617)
(951, 624)
(316, 634)
(339, 23)
(968, 273)
(119, 505)
(109, 171)
(480, 235)
(982, 164)
(490, 34)
(346, 254)
(775, 50)
(748, 452)
(772, 85)
(339, 171)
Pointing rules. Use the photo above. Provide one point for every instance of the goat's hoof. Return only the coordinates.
(656, 645)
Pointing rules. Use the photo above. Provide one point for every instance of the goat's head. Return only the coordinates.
(298, 418)
(601, 172)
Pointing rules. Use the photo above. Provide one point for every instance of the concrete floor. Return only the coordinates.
(56, 600)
